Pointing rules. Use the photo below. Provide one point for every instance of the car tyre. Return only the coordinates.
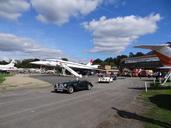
(70, 89)
(55, 90)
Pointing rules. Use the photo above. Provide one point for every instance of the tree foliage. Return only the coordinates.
(136, 55)
(116, 61)
(26, 63)
(65, 59)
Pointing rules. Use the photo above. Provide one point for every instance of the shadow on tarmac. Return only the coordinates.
(130, 115)
(162, 101)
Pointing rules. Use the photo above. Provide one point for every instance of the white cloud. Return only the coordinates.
(24, 47)
(51, 11)
(115, 34)
(13, 9)
(113, 2)
(60, 11)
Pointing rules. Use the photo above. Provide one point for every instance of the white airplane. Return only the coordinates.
(8, 67)
(163, 52)
(68, 65)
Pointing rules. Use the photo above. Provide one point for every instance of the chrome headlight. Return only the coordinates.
(64, 85)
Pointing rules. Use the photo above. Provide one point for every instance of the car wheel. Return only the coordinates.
(89, 87)
(55, 90)
(70, 89)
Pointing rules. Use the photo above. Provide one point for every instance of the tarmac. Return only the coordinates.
(43, 108)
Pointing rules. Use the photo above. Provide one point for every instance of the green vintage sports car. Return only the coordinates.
(73, 86)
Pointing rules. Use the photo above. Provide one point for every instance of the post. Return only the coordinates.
(63, 71)
(145, 86)
(160, 80)
(154, 80)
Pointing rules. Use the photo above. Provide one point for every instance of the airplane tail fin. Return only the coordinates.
(12, 63)
(161, 51)
(90, 62)
(165, 60)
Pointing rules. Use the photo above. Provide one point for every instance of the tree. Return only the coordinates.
(131, 54)
(65, 59)
(139, 54)
(109, 61)
(97, 61)
(26, 63)
(136, 54)
(119, 58)
(3, 62)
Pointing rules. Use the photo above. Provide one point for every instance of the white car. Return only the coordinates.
(105, 79)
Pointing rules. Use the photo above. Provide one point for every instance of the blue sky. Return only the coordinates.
(81, 29)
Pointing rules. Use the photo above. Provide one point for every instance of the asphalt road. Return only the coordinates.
(42, 108)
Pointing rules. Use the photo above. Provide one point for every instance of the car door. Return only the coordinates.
(83, 85)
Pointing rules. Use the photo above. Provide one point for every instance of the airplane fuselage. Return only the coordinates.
(68, 63)
(7, 67)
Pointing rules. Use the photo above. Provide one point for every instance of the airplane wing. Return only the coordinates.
(152, 47)
(82, 66)
(165, 67)
(1, 69)
(8, 69)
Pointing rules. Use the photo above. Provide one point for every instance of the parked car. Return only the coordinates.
(105, 79)
(114, 76)
(73, 86)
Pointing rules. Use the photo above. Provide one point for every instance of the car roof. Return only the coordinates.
(74, 81)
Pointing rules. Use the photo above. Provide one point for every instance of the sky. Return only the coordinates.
(81, 29)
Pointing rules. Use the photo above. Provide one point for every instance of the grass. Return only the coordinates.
(2, 76)
(159, 100)
(157, 83)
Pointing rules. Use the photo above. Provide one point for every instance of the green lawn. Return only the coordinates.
(2, 77)
(159, 101)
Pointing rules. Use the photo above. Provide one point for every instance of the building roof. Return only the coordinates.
(145, 58)
(146, 61)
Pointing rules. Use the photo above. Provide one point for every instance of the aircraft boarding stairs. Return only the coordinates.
(70, 70)
(167, 77)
